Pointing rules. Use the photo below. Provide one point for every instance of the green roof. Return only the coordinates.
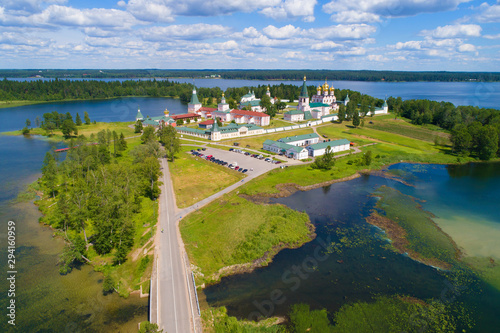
(248, 95)
(139, 115)
(292, 112)
(303, 92)
(323, 145)
(307, 115)
(193, 130)
(255, 102)
(329, 115)
(283, 146)
(299, 137)
(317, 105)
(385, 104)
(194, 98)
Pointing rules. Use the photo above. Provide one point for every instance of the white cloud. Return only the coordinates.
(291, 9)
(452, 31)
(497, 36)
(251, 32)
(342, 31)
(329, 45)
(353, 16)
(184, 31)
(467, 48)
(16, 38)
(26, 7)
(355, 51)
(293, 55)
(55, 16)
(288, 31)
(392, 8)
(489, 14)
(409, 45)
(166, 10)
(377, 57)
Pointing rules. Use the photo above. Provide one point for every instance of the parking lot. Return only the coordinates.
(241, 160)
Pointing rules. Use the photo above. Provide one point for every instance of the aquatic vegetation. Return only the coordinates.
(412, 229)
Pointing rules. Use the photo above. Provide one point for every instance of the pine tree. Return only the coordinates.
(78, 120)
(123, 143)
(355, 119)
(138, 127)
(86, 118)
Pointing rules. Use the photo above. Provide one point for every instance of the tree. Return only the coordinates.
(28, 123)
(67, 127)
(271, 111)
(179, 122)
(168, 137)
(49, 172)
(86, 118)
(219, 122)
(372, 110)
(122, 143)
(265, 103)
(78, 120)
(341, 113)
(148, 134)
(115, 143)
(355, 119)
(325, 162)
(461, 140)
(38, 122)
(280, 105)
(367, 158)
(488, 142)
(138, 126)
(147, 327)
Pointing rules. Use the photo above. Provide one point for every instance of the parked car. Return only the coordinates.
(231, 149)
(236, 167)
(203, 149)
(247, 153)
(244, 170)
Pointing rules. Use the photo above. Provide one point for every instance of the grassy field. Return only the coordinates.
(195, 179)
(11, 104)
(255, 142)
(277, 123)
(402, 127)
(87, 130)
(232, 230)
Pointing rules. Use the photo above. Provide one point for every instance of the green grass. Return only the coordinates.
(195, 179)
(413, 131)
(336, 131)
(278, 123)
(87, 130)
(232, 230)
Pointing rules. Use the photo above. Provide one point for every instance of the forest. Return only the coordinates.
(95, 197)
(258, 74)
(474, 131)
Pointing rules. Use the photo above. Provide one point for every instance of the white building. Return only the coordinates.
(301, 140)
(335, 146)
(297, 153)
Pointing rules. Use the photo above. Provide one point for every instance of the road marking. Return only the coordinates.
(170, 246)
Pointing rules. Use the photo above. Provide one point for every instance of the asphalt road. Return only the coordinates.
(170, 305)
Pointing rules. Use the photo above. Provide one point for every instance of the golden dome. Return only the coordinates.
(331, 89)
(222, 95)
(319, 88)
(166, 112)
(326, 86)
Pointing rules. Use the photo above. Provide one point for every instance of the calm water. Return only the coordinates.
(312, 275)
(482, 94)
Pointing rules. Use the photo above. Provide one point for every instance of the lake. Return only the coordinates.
(314, 275)
(481, 94)
(50, 302)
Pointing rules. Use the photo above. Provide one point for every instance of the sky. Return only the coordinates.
(408, 35)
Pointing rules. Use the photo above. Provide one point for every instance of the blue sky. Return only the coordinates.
(453, 35)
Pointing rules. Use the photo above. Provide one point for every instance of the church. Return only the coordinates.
(318, 106)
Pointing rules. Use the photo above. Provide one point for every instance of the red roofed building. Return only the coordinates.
(250, 117)
(186, 117)
(206, 124)
(205, 112)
